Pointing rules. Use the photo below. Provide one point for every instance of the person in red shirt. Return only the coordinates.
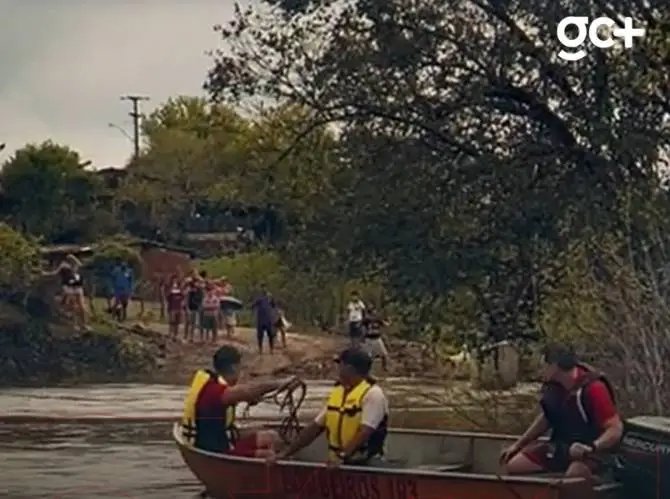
(208, 421)
(174, 299)
(578, 407)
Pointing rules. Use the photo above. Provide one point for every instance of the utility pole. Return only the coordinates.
(136, 115)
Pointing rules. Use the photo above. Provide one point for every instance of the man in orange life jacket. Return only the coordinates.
(578, 407)
(355, 416)
(208, 421)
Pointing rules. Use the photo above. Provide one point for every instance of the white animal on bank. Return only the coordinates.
(461, 357)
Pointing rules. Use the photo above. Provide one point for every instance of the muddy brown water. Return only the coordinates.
(105, 441)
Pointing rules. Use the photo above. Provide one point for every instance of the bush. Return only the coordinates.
(105, 257)
(19, 261)
(307, 297)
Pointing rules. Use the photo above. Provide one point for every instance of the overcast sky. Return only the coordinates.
(64, 64)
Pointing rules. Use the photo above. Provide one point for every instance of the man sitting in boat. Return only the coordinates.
(208, 421)
(578, 407)
(355, 416)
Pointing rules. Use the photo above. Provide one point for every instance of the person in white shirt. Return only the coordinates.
(355, 316)
(354, 418)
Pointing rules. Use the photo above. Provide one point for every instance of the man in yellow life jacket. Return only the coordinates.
(208, 421)
(355, 416)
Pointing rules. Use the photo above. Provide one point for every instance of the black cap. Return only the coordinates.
(564, 356)
(356, 358)
(226, 357)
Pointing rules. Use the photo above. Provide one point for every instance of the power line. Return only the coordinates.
(136, 115)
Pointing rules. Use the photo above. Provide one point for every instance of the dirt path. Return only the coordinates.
(307, 355)
(183, 358)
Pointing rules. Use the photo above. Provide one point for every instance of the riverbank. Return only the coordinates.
(35, 352)
(40, 353)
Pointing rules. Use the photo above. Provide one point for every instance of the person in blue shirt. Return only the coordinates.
(122, 285)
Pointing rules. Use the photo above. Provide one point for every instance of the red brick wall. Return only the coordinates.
(159, 264)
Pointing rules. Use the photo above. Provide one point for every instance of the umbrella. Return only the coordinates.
(231, 303)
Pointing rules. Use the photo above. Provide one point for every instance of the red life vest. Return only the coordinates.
(569, 412)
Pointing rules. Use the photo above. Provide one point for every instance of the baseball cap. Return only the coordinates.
(356, 358)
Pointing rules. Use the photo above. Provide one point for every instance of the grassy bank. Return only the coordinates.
(37, 352)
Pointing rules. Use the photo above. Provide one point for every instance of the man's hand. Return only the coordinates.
(334, 462)
(509, 452)
(579, 451)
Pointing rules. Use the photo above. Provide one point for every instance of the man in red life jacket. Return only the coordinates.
(578, 407)
(208, 421)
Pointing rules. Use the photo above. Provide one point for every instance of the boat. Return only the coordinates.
(422, 464)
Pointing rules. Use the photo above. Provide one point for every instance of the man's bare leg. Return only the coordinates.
(521, 465)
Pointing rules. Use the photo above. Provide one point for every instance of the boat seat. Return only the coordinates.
(547, 474)
(443, 467)
(608, 487)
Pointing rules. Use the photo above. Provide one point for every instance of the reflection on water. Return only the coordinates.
(107, 441)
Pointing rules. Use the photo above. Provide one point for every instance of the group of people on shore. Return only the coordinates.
(207, 305)
(577, 406)
(200, 303)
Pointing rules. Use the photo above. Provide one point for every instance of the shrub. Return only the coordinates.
(19, 261)
(105, 257)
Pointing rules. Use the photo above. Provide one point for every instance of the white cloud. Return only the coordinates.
(65, 63)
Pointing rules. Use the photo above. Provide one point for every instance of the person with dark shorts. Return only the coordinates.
(578, 407)
(122, 285)
(194, 296)
(266, 316)
(355, 316)
(174, 298)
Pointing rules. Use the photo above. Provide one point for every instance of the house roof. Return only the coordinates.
(76, 249)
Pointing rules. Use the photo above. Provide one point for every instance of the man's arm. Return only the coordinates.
(373, 411)
(604, 413)
(306, 436)
(611, 436)
(251, 392)
(538, 427)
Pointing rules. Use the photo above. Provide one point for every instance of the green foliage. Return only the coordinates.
(249, 271)
(306, 297)
(105, 257)
(48, 193)
(469, 159)
(19, 260)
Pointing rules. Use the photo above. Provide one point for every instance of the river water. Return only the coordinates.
(107, 441)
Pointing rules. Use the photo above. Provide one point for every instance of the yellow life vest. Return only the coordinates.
(343, 419)
(189, 421)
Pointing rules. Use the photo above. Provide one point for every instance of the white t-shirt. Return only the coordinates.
(355, 310)
(374, 404)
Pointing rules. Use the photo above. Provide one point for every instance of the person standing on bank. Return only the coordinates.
(195, 294)
(355, 316)
(355, 416)
(374, 344)
(208, 421)
(266, 312)
(122, 286)
(578, 407)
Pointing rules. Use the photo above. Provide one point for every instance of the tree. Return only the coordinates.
(19, 262)
(203, 159)
(185, 138)
(48, 193)
(469, 155)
